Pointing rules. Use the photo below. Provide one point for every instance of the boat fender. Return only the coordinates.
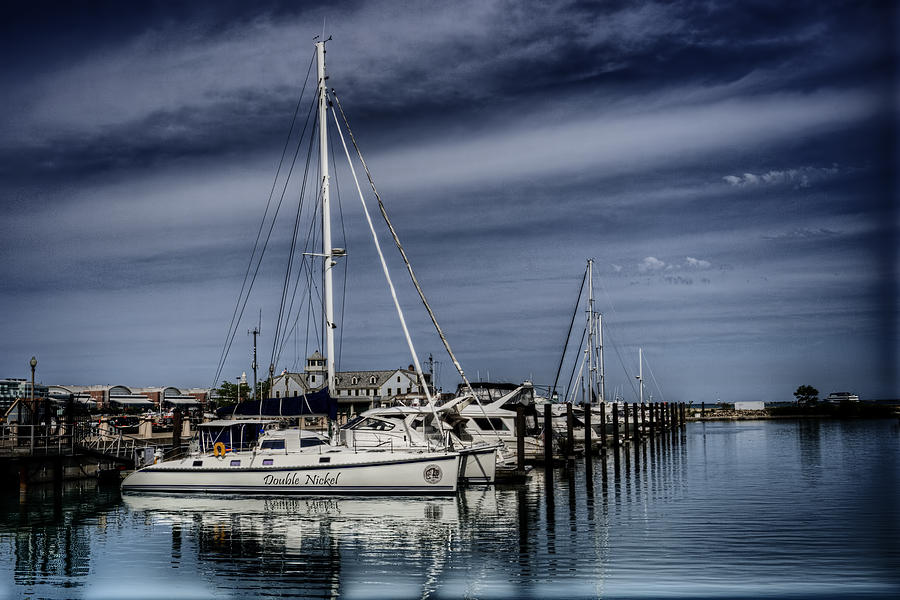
(219, 449)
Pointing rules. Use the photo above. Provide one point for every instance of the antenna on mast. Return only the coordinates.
(255, 332)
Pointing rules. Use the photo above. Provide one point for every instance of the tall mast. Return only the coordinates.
(255, 332)
(600, 349)
(641, 371)
(590, 326)
(326, 219)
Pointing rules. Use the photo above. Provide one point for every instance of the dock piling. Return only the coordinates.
(548, 436)
(637, 424)
(615, 423)
(520, 439)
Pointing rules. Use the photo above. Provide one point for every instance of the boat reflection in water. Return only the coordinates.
(318, 546)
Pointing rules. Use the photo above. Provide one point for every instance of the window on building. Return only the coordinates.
(278, 394)
(372, 379)
(389, 391)
(354, 381)
(398, 379)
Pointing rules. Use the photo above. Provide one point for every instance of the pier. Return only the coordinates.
(77, 449)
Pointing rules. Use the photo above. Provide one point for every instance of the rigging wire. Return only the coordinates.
(574, 365)
(284, 317)
(569, 333)
(244, 293)
(344, 262)
(409, 269)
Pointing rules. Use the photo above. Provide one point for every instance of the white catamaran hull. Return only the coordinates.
(332, 472)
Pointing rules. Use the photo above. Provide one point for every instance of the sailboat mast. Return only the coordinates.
(641, 371)
(328, 261)
(590, 326)
(600, 359)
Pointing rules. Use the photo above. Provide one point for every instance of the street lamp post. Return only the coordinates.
(33, 419)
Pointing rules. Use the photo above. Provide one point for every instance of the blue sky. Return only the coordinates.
(732, 171)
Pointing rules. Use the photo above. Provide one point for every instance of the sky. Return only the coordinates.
(731, 169)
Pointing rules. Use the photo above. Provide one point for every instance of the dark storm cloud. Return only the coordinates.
(730, 167)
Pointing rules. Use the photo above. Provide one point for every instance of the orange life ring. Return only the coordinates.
(219, 449)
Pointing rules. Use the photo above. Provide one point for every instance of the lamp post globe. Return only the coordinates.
(33, 363)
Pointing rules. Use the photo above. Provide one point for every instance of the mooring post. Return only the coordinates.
(176, 432)
(652, 421)
(603, 426)
(520, 439)
(703, 409)
(644, 416)
(548, 436)
(683, 415)
(570, 432)
(587, 433)
(23, 478)
(625, 410)
(615, 423)
(637, 423)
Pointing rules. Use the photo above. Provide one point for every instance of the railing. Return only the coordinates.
(110, 443)
(66, 439)
(18, 440)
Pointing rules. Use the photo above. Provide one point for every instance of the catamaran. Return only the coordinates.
(255, 456)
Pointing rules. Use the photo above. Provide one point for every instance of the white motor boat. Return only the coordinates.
(493, 418)
(413, 427)
(247, 456)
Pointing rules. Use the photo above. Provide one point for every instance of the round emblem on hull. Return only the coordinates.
(433, 474)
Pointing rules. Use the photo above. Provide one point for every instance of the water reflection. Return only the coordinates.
(671, 515)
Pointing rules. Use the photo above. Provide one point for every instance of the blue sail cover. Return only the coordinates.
(318, 403)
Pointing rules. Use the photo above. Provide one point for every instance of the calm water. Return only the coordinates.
(780, 509)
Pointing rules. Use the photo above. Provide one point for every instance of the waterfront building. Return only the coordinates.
(120, 397)
(355, 391)
(10, 389)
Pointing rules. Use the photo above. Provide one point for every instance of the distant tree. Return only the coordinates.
(228, 393)
(807, 395)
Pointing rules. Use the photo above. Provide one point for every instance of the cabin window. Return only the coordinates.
(306, 442)
(267, 462)
(198, 463)
(273, 445)
(235, 463)
(324, 459)
(492, 423)
(374, 425)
